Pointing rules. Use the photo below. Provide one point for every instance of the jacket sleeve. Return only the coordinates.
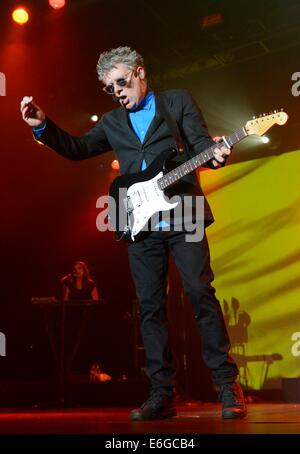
(194, 128)
(93, 143)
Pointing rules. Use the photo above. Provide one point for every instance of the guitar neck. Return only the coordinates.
(197, 161)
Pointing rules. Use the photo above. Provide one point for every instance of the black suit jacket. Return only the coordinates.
(114, 132)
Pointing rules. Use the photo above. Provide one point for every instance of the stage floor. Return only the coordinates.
(263, 418)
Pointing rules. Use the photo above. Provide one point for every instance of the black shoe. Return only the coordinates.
(156, 407)
(232, 398)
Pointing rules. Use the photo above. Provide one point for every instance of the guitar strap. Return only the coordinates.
(171, 122)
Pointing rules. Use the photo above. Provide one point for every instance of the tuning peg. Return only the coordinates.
(281, 110)
(254, 117)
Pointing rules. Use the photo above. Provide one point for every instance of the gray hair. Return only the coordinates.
(109, 59)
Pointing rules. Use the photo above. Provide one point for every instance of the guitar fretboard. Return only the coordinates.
(197, 161)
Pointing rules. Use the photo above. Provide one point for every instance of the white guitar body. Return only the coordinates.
(144, 199)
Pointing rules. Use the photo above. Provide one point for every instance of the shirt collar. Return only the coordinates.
(146, 103)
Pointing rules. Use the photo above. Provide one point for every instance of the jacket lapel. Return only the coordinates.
(125, 122)
(156, 122)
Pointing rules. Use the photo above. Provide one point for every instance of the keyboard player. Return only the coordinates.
(78, 284)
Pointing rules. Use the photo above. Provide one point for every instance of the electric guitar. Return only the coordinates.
(139, 196)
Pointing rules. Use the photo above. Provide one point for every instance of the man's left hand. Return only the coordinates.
(221, 154)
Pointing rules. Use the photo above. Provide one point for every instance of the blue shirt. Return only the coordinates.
(142, 115)
(141, 118)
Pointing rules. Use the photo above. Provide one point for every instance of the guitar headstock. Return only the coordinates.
(259, 125)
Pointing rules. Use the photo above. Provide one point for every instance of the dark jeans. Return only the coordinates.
(149, 265)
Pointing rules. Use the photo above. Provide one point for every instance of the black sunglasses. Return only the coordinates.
(121, 82)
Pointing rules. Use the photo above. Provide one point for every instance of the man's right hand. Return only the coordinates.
(32, 114)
